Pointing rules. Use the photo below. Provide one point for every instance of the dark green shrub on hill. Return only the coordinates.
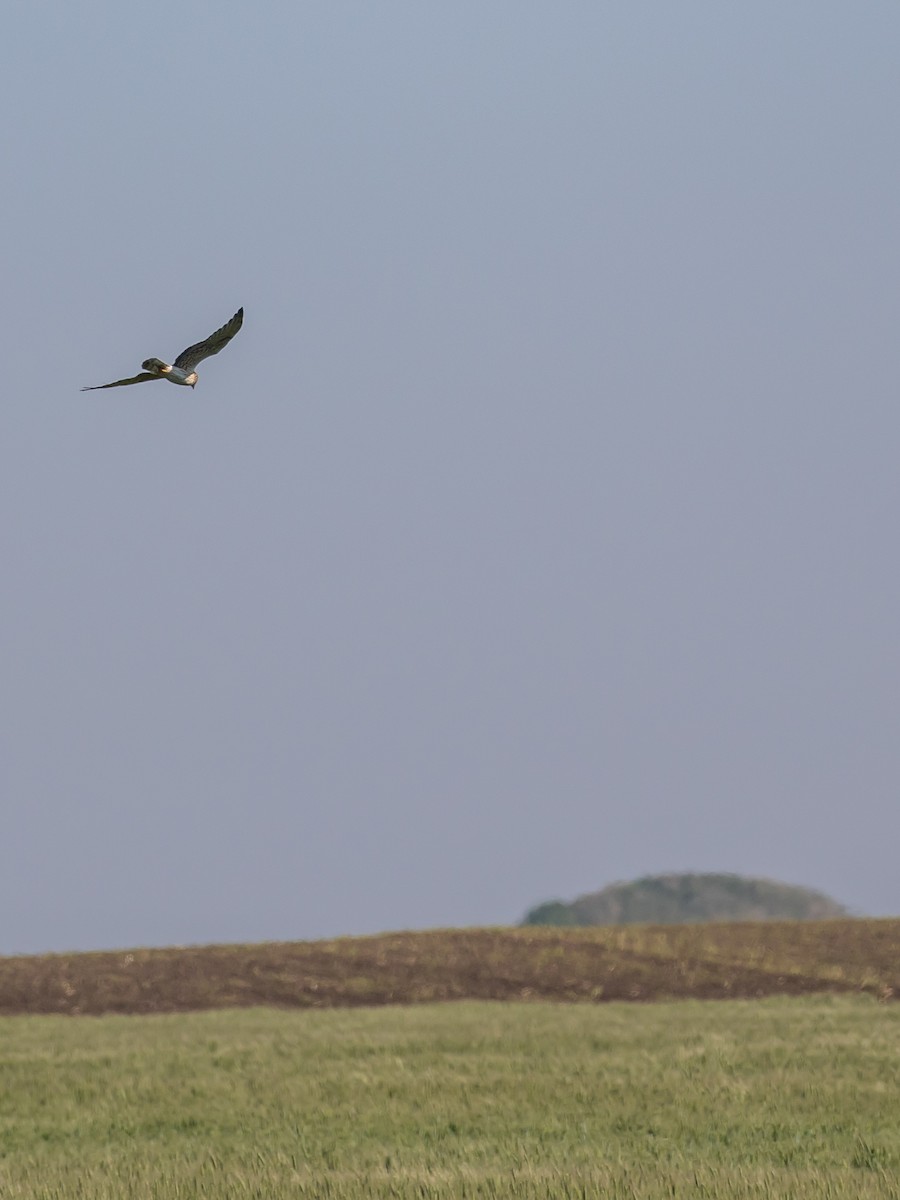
(688, 898)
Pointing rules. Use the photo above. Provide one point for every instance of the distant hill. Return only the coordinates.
(743, 959)
(687, 899)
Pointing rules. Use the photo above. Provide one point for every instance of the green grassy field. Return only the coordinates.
(773, 1098)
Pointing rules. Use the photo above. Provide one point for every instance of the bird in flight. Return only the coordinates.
(182, 370)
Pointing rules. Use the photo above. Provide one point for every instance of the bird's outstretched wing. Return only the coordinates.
(189, 358)
(144, 375)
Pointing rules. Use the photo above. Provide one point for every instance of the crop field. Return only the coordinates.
(339, 1069)
(793, 1097)
(742, 960)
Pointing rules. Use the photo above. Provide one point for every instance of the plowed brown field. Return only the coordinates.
(732, 961)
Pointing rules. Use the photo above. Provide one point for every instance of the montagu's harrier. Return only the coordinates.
(182, 370)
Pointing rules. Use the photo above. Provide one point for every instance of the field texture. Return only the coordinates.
(775, 1098)
(744, 960)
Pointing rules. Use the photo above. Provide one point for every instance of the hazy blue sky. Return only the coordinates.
(540, 528)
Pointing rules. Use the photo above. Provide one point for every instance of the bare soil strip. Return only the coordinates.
(727, 961)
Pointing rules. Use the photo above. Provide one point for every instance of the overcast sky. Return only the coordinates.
(540, 527)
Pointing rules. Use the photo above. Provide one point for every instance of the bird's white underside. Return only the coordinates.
(171, 373)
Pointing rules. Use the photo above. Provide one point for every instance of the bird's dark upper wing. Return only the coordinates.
(144, 375)
(189, 358)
